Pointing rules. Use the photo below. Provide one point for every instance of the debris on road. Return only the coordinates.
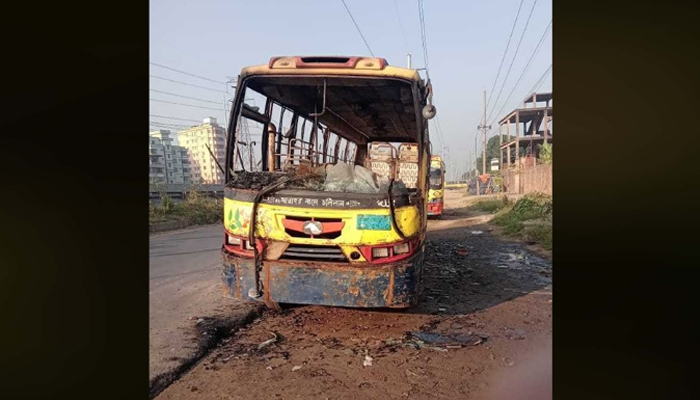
(515, 334)
(268, 342)
(459, 340)
(367, 361)
(462, 252)
(296, 368)
(477, 232)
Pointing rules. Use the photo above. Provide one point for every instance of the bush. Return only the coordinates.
(196, 209)
(529, 207)
(539, 234)
(532, 206)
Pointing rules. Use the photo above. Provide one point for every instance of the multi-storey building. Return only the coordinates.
(196, 139)
(168, 163)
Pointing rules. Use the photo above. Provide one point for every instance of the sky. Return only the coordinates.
(466, 40)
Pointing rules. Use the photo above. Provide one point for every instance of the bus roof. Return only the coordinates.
(332, 65)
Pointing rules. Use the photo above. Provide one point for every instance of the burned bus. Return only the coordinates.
(332, 211)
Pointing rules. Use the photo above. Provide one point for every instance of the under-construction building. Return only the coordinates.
(523, 130)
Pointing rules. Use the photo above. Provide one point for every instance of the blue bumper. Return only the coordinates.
(331, 284)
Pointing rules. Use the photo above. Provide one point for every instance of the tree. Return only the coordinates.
(491, 152)
(545, 153)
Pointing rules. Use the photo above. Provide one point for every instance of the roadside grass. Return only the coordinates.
(528, 219)
(196, 209)
(492, 206)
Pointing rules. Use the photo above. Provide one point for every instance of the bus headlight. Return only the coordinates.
(233, 240)
(380, 252)
(401, 248)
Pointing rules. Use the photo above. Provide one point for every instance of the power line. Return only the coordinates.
(539, 83)
(187, 84)
(358, 28)
(403, 32)
(535, 87)
(527, 66)
(513, 59)
(167, 117)
(187, 73)
(184, 97)
(170, 126)
(169, 123)
(504, 54)
(187, 105)
(424, 37)
(439, 132)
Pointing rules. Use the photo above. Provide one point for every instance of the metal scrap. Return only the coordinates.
(268, 342)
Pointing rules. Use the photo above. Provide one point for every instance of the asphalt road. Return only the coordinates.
(185, 284)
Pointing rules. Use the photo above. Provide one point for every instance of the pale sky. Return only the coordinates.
(466, 40)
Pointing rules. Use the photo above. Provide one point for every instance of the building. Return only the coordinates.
(204, 169)
(524, 129)
(168, 163)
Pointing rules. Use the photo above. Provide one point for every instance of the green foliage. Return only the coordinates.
(166, 203)
(492, 205)
(545, 153)
(491, 152)
(196, 209)
(532, 206)
(541, 234)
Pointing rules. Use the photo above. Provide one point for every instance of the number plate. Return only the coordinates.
(374, 222)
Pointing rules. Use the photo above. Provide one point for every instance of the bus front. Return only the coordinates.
(311, 216)
(436, 184)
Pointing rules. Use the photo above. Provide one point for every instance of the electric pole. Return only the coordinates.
(484, 128)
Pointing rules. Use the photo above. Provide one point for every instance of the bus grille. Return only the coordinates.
(297, 234)
(313, 253)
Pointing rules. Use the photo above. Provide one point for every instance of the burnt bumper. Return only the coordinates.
(394, 285)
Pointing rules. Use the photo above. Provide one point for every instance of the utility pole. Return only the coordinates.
(409, 60)
(484, 128)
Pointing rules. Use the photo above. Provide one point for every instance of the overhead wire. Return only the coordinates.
(168, 117)
(358, 28)
(535, 87)
(184, 97)
(424, 43)
(540, 81)
(403, 32)
(513, 59)
(424, 38)
(186, 73)
(186, 84)
(503, 58)
(170, 126)
(527, 67)
(187, 105)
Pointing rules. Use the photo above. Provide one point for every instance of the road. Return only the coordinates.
(184, 274)
(497, 297)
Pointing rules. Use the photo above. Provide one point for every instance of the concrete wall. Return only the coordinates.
(530, 179)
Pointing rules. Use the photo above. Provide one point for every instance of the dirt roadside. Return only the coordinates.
(494, 302)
